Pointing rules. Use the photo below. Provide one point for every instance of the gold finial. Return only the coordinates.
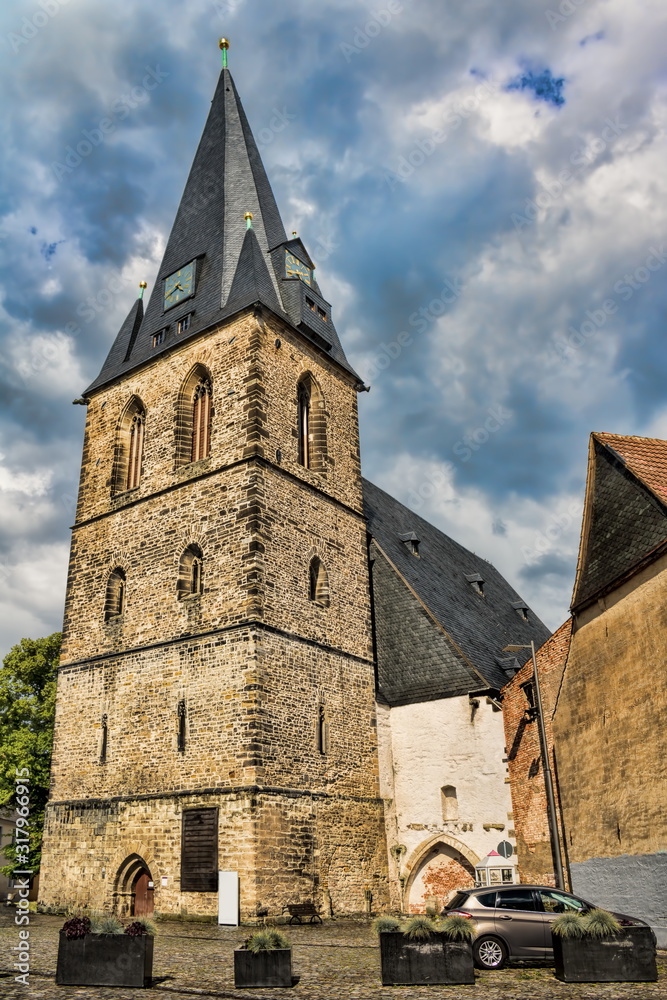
(143, 285)
(248, 220)
(294, 232)
(224, 45)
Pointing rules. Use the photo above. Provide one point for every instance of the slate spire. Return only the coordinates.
(231, 271)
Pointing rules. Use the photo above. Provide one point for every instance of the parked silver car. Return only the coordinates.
(513, 921)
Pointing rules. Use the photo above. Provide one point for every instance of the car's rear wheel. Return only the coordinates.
(489, 953)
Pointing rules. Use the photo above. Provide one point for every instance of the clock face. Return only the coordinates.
(179, 285)
(294, 268)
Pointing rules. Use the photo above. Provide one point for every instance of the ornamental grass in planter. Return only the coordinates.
(596, 947)
(98, 951)
(425, 952)
(265, 960)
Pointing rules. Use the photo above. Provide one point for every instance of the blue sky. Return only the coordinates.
(482, 186)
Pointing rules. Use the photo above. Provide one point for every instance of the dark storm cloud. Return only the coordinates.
(547, 565)
(406, 186)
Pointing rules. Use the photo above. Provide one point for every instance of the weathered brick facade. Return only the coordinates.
(252, 658)
(524, 757)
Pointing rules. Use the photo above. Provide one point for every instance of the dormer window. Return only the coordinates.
(184, 323)
(411, 541)
(521, 609)
(476, 581)
(159, 337)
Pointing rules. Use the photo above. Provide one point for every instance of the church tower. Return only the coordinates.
(215, 705)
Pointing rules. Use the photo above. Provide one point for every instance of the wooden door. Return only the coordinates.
(143, 896)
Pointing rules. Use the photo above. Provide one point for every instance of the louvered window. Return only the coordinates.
(199, 851)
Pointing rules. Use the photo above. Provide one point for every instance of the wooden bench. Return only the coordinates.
(299, 910)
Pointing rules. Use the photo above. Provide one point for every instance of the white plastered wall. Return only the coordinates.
(423, 748)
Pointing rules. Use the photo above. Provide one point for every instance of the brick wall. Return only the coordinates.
(526, 776)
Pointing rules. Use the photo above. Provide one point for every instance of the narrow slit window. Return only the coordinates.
(181, 725)
(318, 583)
(322, 730)
(114, 605)
(450, 803)
(104, 735)
(304, 426)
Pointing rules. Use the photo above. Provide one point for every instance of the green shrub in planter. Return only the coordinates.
(423, 952)
(596, 948)
(419, 928)
(105, 923)
(386, 924)
(92, 952)
(265, 960)
(458, 928)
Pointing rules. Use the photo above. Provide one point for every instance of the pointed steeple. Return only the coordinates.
(252, 281)
(212, 266)
(121, 348)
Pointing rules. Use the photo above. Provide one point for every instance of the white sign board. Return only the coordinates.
(228, 898)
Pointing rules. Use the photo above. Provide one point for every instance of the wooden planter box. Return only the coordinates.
(105, 960)
(628, 957)
(438, 961)
(266, 968)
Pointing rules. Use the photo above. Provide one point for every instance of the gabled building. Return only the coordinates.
(602, 677)
(535, 852)
(609, 732)
(442, 617)
(222, 652)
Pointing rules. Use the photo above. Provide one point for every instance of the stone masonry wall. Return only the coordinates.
(611, 714)
(254, 660)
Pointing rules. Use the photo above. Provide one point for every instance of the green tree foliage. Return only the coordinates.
(27, 708)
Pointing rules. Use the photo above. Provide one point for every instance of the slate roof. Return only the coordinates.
(227, 179)
(625, 512)
(436, 635)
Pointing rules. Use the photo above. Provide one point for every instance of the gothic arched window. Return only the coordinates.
(201, 420)
(190, 573)
(304, 425)
(114, 604)
(129, 447)
(318, 583)
(193, 417)
(311, 425)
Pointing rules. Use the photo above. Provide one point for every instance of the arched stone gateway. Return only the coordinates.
(133, 888)
(435, 870)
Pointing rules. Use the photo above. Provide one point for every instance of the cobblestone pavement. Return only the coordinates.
(336, 961)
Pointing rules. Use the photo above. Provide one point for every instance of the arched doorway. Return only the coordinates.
(436, 872)
(133, 889)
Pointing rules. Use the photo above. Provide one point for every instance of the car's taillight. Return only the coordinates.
(459, 913)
